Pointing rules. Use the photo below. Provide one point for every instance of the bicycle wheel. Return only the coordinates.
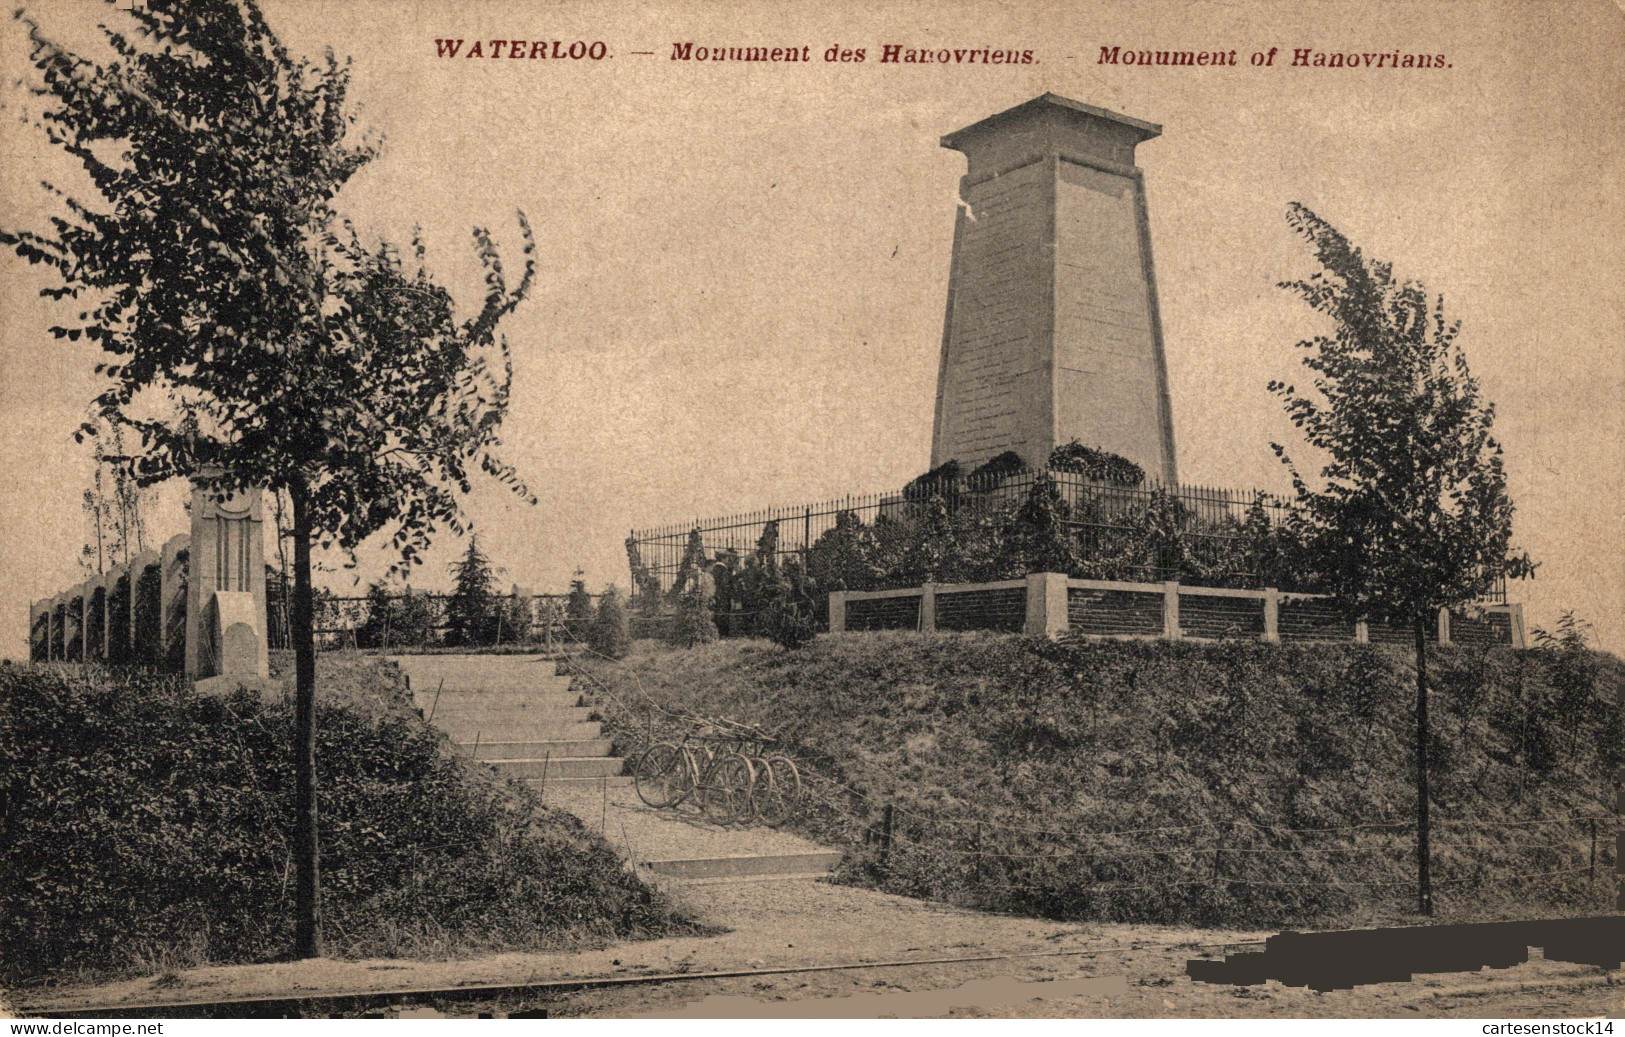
(786, 784)
(765, 800)
(663, 775)
(725, 791)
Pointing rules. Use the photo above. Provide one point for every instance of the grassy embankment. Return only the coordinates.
(145, 828)
(1233, 754)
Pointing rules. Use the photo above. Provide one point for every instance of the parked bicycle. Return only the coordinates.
(730, 777)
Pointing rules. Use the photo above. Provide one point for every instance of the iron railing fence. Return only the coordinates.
(1101, 514)
(346, 621)
(1206, 527)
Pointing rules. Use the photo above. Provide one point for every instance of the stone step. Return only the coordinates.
(747, 864)
(541, 731)
(509, 715)
(492, 752)
(730, 880)
(561, 767)
(465, 665)
(613, 781)
(472, 684)
(475, 659)
(501, 700)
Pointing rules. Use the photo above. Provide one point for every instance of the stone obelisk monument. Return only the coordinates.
(1052, 332)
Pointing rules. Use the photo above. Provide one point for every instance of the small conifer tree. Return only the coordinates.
(611, 635)
(471, 612)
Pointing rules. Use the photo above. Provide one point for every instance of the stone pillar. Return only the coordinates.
(1272, 615)
(1046, 605)
(1170, 610)
(1362, 632)
(173, 573)
(83, 593)
(121, 638)
(928, 607)
(59, 628)
(1444, 626)
(100, 590)
(39, 630)
(1052, 330)
(522, 595)
(138, 569)
(226, 630)
(837, 612)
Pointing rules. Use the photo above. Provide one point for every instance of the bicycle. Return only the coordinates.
(718, 779)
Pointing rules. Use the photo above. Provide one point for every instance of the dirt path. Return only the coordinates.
(1131, 971)
(642, 833)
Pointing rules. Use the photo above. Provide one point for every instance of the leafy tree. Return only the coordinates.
(1574, 671)
(517, 616)
(113, 503)
(272, 343)
(611, 632)
(471, 610)
(1412, 513)
(395, 619)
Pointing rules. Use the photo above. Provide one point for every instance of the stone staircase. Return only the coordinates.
(517, 713)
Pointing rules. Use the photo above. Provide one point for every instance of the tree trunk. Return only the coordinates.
(307, 854)
(1424, 884)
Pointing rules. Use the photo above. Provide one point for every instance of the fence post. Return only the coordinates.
(928, 607)
(1046, 605)
(837, 612)
(1272, 615)
(1592, 824)
(978, 858)
(1444, 626)
(1170, 610)
(885, 834)
(1362, 632)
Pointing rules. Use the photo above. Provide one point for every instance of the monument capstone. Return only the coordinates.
(1052, 331)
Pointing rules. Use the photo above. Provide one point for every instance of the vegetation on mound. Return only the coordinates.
(1181, 782)
(145, 827)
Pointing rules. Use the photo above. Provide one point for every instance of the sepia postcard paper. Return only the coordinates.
(792, 253)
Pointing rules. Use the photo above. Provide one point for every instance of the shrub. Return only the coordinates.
(939, 480)
(1100, 465)
(401, 620)
(610, 635)
(517, 618)
(989, 474)
(146, 826)
(578, 605)
(789, 612)
(693, 624)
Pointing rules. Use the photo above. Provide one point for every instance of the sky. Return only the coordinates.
(743, 268)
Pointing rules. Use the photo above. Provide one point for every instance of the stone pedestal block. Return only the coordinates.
(227, 557)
